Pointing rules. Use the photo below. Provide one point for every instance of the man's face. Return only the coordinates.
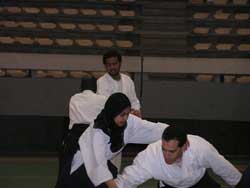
(171, 151)
(113, 66)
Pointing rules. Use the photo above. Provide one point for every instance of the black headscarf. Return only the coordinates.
(115, 104)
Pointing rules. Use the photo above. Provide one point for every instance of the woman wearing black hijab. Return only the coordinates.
(113, 128)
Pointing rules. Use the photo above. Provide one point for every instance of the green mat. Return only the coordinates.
(42, 172)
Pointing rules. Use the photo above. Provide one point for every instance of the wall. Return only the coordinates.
(33, 112)
(195, 100)
(161, 98)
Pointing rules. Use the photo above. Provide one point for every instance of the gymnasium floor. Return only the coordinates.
(32, 172)
(41, 172)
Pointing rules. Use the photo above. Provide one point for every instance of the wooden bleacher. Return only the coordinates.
(87, 27)
(210, 29)
(219, 28)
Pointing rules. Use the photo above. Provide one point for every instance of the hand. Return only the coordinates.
(136, 113)
(111, 184)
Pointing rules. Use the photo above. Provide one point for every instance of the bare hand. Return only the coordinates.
(111, 184)
(136, 113)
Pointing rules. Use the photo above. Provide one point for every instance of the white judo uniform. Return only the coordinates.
(95, 146)
(106, 86)
(84, 107)
(199, 156)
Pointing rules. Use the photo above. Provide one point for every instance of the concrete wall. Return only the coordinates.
(44, 97)
(33, 112)
(161, 98)
(196, 100)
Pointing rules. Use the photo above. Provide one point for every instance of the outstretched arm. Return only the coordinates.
(93, 153)
(137, 173)
(142, 131)
(220, 166)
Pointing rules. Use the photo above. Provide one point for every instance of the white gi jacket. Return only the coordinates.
(84, 107)
(199, 156)
(95, 146)
(106, 86)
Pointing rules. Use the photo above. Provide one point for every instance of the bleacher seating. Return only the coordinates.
(82, 27)
(223, 24)
(194, 28)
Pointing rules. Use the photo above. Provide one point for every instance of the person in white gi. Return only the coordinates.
(113, 81)
(83, 109)
(105, 138)
(85, 106)
(179, 160)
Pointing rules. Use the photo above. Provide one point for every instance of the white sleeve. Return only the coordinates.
(135, 103)
(74, 114)
(95, 161)
(98, 87)
(137, 173)
(102, 87)
(220, 166)
(142, 131)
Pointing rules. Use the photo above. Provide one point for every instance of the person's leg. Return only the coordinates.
(79, 179)
(67, 151)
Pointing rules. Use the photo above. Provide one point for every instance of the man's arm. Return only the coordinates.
(220, 166)
(74, 114)
(102, 86)
(133, 98)
(138, 172)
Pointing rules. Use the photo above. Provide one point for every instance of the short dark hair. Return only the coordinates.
(175, 133)
(111, 53)
(88, 83)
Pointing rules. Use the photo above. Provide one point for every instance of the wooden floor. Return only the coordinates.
(41, 172)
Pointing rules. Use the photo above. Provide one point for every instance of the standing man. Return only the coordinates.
(113, 81)
(179, 160)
